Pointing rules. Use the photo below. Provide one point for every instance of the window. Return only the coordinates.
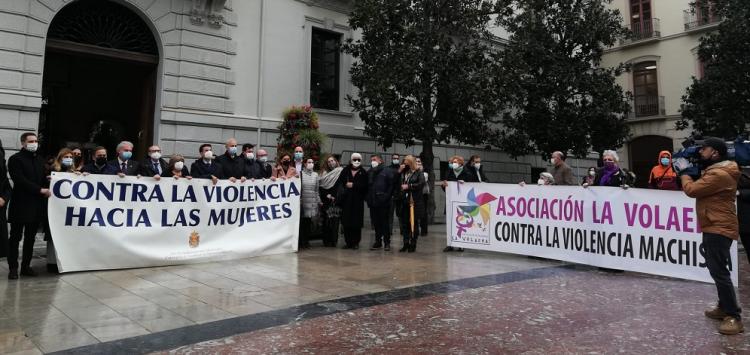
(640, 19)
(645, 89)
(325, 60)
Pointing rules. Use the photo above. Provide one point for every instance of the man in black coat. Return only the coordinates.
(206, 167)
(379, 196)
(232, 162)
(265, 166)
(28, 202)
(395, 168)
(99, 164)
(351, 199)
(253, 170)
(154, 165)
(5, 193)
(124, 162)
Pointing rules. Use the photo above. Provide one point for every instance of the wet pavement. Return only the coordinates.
(327, 300)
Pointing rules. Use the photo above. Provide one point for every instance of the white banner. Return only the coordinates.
(108, 222)
(649, 231)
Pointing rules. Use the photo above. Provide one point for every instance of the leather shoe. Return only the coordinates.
(28, 272)
(13, 274)
(387, 247)
(731, 326)
(715, 313)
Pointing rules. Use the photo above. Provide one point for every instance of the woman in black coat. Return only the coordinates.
(412, 183)
(457, 171)
(351, 199)
(329, 186)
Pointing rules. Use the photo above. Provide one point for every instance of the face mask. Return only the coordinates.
(298, 155)
(32, 147)
(395, 161)
(309, 166)
(208, 155)
(541, 182)
(232, 151)
(101, 160)
(374, 164)
(552, 161)
(67, 162)
(250, 156)
(592, 173)
(285, 163)
(477, 166)
(665, 161)
(609, 164)
(356, 164)
(263, 159)
(179, 165)
(126, 155)
(155, 155)
(457, 166)
(77, 160)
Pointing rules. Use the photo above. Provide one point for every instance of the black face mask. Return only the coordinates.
(76, 160)
(101, 160)
(285, 163)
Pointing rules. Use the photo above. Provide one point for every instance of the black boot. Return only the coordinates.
(28, 271)
(13, 274)
(413, 245)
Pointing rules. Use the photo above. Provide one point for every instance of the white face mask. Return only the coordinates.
(309, 166)
(374, 164)
(541, 182)
(250, 156)
(263, 159)
(208, 155)
(356, 164)
(477, 166)
(552, 161)
(179, 165)
(155, 155)
(32, 147)
(592, 173)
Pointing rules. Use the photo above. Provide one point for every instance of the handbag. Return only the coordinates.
(667, 182)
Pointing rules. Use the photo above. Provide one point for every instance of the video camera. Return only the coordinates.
(689, 156)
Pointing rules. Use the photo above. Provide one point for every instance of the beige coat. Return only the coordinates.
(715, 193)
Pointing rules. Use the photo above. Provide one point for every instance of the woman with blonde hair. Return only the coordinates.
(176, 168)
(412, 203)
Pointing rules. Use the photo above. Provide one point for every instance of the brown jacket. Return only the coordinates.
(715, 193)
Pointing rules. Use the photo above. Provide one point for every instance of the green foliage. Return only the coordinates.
(562, 98)
(719, 103)
(300, 128)
(424, 71)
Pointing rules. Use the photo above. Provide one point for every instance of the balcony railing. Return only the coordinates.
(639, 31)
(647, 106)
(698, 16)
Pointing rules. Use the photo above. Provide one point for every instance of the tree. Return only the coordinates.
(300, 128)
(719, 103)
(562, 98)
(423, 71)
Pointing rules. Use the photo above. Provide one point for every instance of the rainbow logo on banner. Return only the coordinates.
(474, 213)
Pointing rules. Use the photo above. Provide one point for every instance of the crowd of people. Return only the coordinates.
(334, 197)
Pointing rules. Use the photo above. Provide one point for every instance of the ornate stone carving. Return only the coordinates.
(209, 11)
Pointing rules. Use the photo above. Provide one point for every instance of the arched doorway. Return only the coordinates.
(99, 85)
(644, 155)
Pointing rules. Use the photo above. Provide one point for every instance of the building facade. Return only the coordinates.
(663, 57)
(180, 73)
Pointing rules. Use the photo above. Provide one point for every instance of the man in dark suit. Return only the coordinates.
(205, 167)
(254, 169)
(124, 162)
(99, 164)
(5, 193)
(154, 165)
(28, 202)
(264, 164)
(232, 162)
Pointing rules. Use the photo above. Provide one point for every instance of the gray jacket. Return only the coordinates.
(310, 195)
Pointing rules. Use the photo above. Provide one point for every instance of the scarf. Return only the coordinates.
(608, 173)
(329, 178)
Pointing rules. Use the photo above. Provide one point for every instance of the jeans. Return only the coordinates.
(718, 261)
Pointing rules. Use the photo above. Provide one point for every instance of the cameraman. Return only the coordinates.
(715, 191)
